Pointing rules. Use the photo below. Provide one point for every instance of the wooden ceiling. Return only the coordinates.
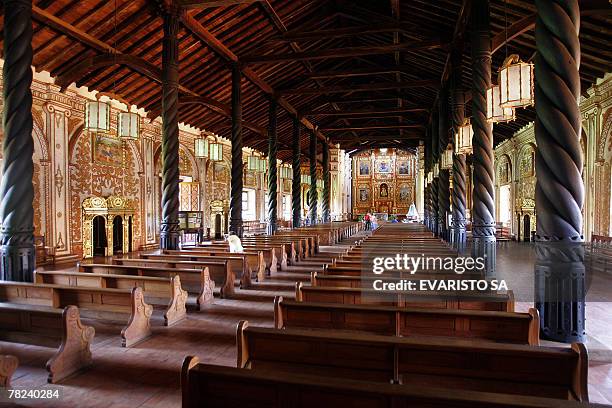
(366, 73)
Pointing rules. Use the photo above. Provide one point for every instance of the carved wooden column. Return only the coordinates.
(560, 271)
(16, 190)
(444, 179)
(483, 212)
(459, 166)
(272, 169)
(326, 182)
(312, 194)
(435, 204)
(236, 183)
(296, 191)
(169, 229)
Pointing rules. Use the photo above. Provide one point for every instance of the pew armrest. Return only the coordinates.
(298, 291)
(580, 380)
(139, 325)
(207, 286)
(278, 312)
(8, 365)
(188, 364)
(242, 346)
(534, 327)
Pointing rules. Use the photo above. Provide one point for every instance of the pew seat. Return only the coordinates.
(60, 329)
(451, 363)
(212, 386)
(503, 327)
(95, 303)
(167, 290)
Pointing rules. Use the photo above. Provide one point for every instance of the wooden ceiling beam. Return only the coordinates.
(203, 4)
(318, 35)
(347, 52)
(359, 72)
(357, 88)
(525, 24)
(372, 127)
(224, 52)
(365, 112)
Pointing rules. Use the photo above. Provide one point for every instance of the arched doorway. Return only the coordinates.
(99, 236)
(117, 235)
(526, 228)
(130, 234)
(218, 226)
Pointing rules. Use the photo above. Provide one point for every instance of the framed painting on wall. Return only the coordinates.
(364, 195)
(403, 167)
(404, 193)
(107, 150)
(384, 166)
(364, 167)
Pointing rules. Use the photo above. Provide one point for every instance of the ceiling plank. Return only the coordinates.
(339, 33)
(218, 47)
(373, 127)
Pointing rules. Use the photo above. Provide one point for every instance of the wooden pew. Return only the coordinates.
(424, 300)
(96, 303)
(294, 247)
(454, 364)
(309, 241)
(219, 270)
(238, 264)
(272, 261)
(8, 365)
(167, 290)
(503, 327)
(212, 386)
(60, 329)
(196, 281)
(253, 260)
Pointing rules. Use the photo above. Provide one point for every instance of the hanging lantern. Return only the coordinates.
(97, 116)
(305, 178)
(429, 177)
(128, 125)
(263, 165)
(319, 183)
(286, 172)
(495, 113)
(215, 151)
(463, 138)
(516, 83)
(447, 158)
(253, 163)
(436, 170)
(201, 148)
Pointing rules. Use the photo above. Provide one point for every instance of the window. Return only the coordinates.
(245, 200)
(248, 205)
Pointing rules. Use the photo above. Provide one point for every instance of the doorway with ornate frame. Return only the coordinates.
(107, 226)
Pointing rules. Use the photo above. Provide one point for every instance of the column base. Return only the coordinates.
(236, 228)
(169, 236)
(484, 246)
(459, 239)
(18, 262)
(560, 291)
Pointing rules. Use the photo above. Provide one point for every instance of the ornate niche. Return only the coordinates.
(115, 223)
(219, 216)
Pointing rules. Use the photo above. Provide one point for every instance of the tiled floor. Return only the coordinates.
(147, 375)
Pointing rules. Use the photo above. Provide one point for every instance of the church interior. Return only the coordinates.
(200, 201)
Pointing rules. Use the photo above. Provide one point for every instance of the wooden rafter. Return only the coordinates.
(201, 4)
(357, 88)
(373, 127)
(365, 112)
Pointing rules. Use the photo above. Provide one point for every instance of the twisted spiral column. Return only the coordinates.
(169, 228)
(236, 183)
(272, 170)
(426, 205)
(16, 190)
(434, 205)
(296, 193)
(483, 218)
(312, 194)
(444, 202)
(560, 271)
(326, 180)
(459, 201)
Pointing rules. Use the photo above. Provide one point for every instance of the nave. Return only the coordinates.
(262, 329)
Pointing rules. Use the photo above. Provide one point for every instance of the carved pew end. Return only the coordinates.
(188, 363)
(176, 309)
(205, 297)
(8, 365)
(74, 352)
(139, 325)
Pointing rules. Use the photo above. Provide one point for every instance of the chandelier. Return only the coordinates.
(201, 148)
(516, 83)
